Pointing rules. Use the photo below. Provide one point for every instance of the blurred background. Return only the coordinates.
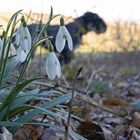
(108, 9)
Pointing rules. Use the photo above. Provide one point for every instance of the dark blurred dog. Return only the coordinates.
(80, 26)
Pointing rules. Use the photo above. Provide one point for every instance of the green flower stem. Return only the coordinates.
(7, 43)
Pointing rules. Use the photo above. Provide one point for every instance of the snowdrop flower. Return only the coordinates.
(53, 67)
(23, 37)
(13, 50)
(21, 55)
(23, 41)
(62, 36)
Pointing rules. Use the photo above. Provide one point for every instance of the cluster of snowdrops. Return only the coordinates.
(21, 47)
(18, 90)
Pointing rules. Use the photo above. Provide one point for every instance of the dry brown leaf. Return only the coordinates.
(90, 130)
(115, 102)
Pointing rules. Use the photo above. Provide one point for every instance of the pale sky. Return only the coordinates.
(108, 9)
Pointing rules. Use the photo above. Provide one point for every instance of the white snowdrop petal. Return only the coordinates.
(26, 45)
(28, 37)
(21, 55)
(22, 44)
(51, 66)
(69, 39)
(58, 67)
(60, 41)
(70, 42)
(18, 34)
(17, 39)
(13, 49)
(21, 41)
(23, 38)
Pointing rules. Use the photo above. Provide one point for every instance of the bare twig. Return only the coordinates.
(71, 104)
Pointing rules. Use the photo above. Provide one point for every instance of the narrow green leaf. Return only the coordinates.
(50, 15)
(71, 132)
(18, 110)
(28, 117)
(50, 113)
(41, 40)
(11, 64)
(21, 100)
(10, 124)
(17, 90)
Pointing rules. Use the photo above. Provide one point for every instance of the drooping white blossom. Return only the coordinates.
(23, 42)
(53, 67)
(62, 36)
(23, 37)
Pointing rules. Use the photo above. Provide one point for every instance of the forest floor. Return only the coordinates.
(107, 93)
